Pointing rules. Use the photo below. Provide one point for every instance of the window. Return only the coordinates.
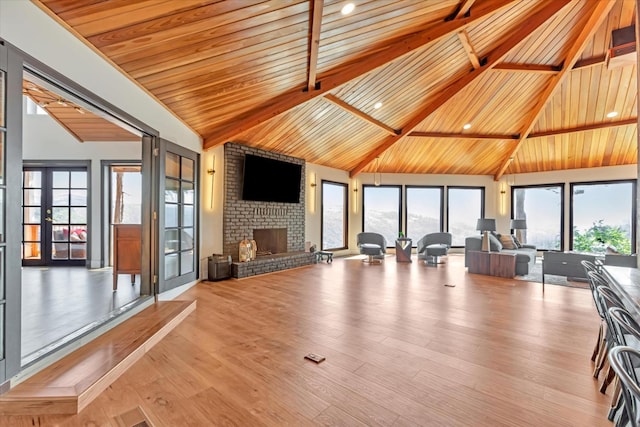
(334, 215)
(464, 206)
(381, 211)
(541, 206)
(424, 211)
(602, 217)
(33, 108)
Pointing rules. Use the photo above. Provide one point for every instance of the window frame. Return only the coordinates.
(634, 197)
(400, 204)
(561, 185)
(345, 219)
(483, 202)
(406, 208)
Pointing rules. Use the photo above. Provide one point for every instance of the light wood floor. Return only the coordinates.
(59, 303)
(401, 349)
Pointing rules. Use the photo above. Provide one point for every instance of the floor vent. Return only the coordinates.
(133, 418)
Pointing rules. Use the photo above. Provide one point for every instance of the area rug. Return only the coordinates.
(535, 275)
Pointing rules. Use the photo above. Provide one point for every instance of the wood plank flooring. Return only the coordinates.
(61, 302)
(401, 349)
(70, 384)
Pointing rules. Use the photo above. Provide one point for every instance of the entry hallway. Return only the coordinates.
(401, 348)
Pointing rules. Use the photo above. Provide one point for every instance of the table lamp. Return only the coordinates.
(486, 225)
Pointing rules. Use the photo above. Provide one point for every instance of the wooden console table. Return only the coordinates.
(492, 263)
(127, 243)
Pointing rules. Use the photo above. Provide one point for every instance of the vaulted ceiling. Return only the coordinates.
(533, 79)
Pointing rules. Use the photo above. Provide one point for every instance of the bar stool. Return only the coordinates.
(627, 332)
(608, 299)
(622, 360)
(591, 267)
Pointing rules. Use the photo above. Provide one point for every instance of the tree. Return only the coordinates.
(597, 238)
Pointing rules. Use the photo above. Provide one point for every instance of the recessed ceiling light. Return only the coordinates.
(612, 114)
(377, 105)
(467, 126)
(347, 8)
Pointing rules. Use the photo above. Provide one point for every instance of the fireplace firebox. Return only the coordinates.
(270, 240)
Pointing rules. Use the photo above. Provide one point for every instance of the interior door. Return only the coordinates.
(178, 215)
(55, 212)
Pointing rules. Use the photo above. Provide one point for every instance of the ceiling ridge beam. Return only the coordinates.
(353, 110)
(528, 68)
(599, 13)
(584, 128)
(496, 55)
(314, 42)
(445, 135)
(344, 73)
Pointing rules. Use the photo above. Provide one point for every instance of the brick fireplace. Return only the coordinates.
(241, 218)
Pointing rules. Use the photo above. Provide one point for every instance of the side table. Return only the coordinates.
(403, 249)
(492, 263)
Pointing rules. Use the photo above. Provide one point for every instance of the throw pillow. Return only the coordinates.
(508, 242)
(494, 244)
(516, 241)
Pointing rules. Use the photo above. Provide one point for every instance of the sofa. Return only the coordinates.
(525, 255)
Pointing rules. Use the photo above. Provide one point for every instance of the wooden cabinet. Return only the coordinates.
(127, 251)
(492, 263)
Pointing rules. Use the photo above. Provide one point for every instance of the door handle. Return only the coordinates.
(48, 219)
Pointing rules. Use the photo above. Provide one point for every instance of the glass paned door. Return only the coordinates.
(55, 216)
(3, 132)
(178, 218)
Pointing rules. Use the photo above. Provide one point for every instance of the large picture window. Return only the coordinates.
(381, 210)
(541, 207)
(424, 211)
(602, 216)
(464, 206)
(334, 215)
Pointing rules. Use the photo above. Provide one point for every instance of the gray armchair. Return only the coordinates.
(433, 245)
(374, 245)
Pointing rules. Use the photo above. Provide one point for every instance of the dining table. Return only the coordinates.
(625, 281)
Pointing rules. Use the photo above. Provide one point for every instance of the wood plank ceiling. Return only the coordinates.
(81, 123)
(298, 77)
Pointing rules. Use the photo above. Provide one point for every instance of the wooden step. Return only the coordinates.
(69, 385)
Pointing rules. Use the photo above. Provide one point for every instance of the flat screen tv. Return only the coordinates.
(270, 180)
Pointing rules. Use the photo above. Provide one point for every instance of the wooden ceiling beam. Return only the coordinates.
(342, 74)
(444, 135)
(468, 48)
(314, 43)
(464, 8)
(454, 87)
(353, 110)
(600, 11)
(584, 128)
(528, 68)
(590, 62)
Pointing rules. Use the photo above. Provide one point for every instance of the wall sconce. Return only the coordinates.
(503, 198)
(355, 195)
(312, 193)
(377, 178)
(211, 172)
